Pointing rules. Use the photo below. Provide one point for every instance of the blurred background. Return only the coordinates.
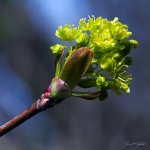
(27, 30)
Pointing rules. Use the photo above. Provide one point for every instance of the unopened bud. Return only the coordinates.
(76, 66)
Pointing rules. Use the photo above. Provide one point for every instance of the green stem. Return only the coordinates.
(70, 42)
(87, 95)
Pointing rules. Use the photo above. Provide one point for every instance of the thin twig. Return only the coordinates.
(31, 111)
(40, 105)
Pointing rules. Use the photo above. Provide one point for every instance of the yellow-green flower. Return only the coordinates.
(109, 43)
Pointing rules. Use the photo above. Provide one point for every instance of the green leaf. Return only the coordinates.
(87, 83)
(58, 64)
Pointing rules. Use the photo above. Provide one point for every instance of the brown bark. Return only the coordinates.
(40, 105)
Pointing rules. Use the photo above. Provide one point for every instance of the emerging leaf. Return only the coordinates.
(76, 66)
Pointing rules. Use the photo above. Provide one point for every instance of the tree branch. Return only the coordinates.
(46, 101)
(31, 111)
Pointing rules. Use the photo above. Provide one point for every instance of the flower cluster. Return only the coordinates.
(109, 42)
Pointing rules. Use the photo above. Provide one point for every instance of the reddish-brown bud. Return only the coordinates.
(75, 66)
